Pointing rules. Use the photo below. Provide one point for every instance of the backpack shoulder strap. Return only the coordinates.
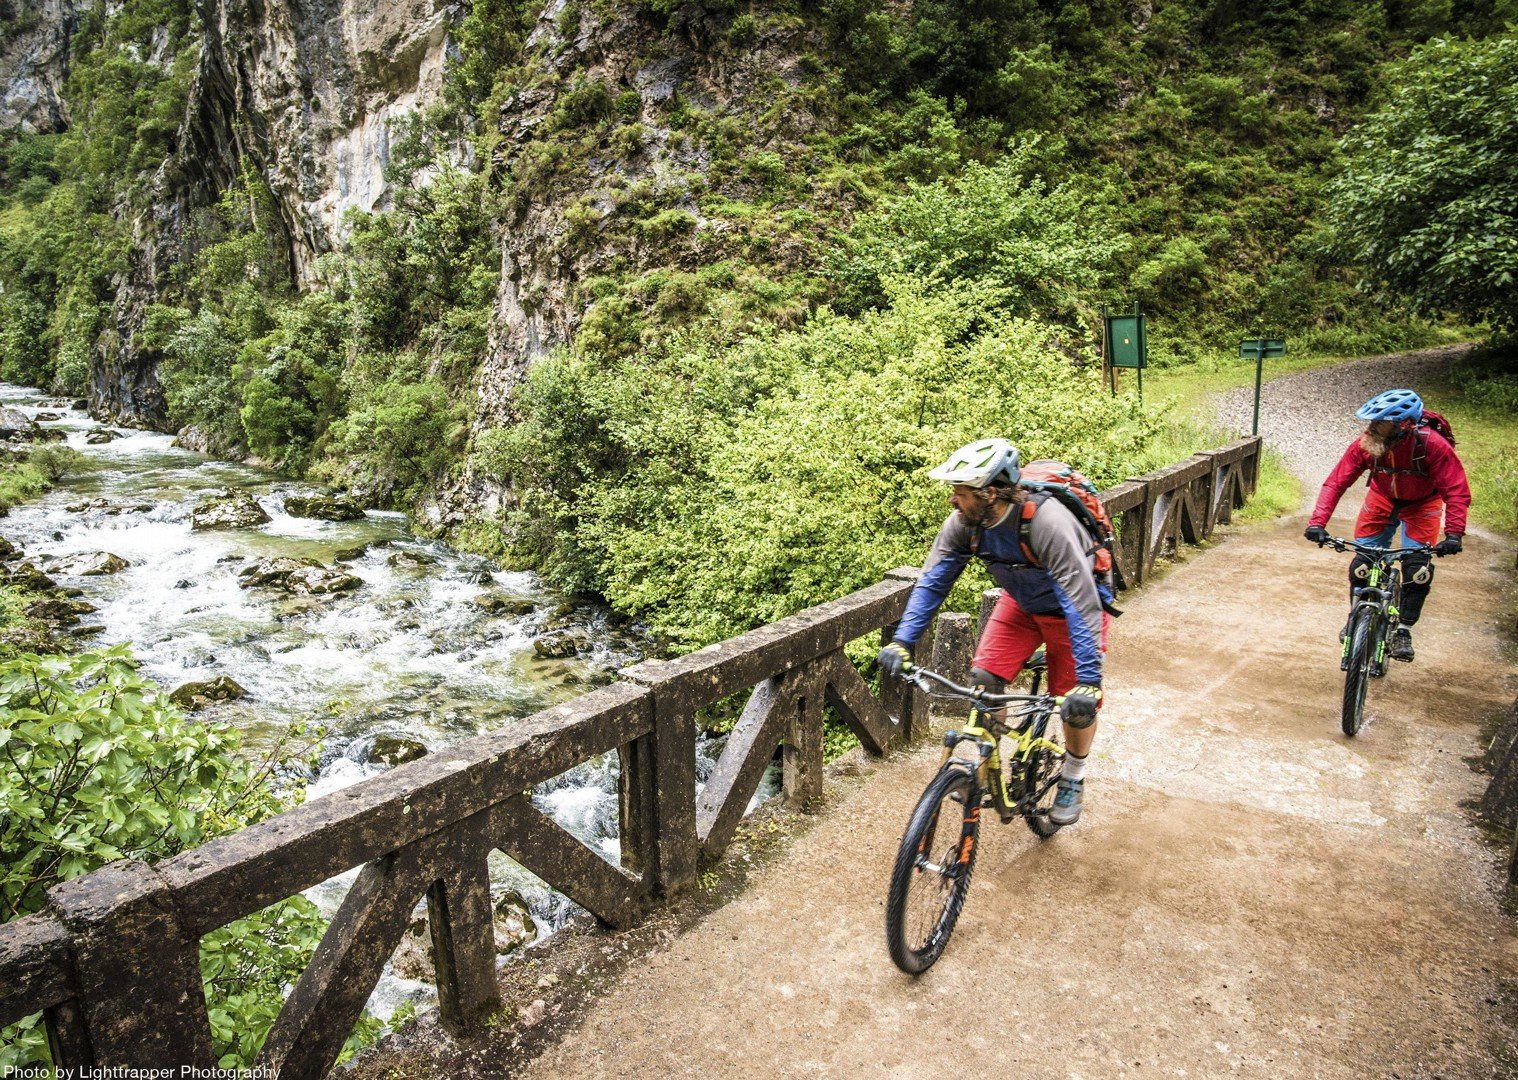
(1025, 524)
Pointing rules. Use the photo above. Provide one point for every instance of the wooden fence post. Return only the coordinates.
(672, 854)
(141, 1002)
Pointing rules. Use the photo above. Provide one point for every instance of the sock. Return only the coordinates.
(1075, 768)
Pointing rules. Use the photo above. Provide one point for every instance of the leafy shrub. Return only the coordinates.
(709, 488)
(396, 436)
(1426, 206)
(1002, 225)
(99, 766)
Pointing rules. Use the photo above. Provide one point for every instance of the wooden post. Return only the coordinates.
(675, 845)
(461, 922)
(954, 646)
(141, 1003)
(802, 755)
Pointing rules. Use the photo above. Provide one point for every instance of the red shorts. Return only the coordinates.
(1421, 519)
(1012, 635)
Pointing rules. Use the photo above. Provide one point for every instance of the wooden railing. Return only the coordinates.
(113, 960)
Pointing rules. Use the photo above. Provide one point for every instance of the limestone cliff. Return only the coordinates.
(34, 36)
(307, 94)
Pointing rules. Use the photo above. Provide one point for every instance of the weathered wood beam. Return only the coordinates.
(750, 748)
(544, 847)
(329, 997)
(801, 773)
(249, 870)
(140, 1000)
(36, 966)
(850, 696)
(461, 923)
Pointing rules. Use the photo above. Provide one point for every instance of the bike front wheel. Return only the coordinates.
(1362, 650)
(1041, 778)
(932, 871)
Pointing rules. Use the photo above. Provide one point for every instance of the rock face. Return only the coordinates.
(34, 39)
(307, 95)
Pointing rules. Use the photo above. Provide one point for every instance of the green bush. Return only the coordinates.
(97, 765)
(710, 488)
(1427, 207)
(1003, 225)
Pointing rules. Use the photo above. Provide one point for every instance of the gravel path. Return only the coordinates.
(1309, 417)
(1248, 893)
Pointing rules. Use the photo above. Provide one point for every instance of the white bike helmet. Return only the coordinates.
(989, 461)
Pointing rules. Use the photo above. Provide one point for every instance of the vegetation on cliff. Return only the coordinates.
(884, 226)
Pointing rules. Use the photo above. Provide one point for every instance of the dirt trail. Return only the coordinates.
(1248, 893)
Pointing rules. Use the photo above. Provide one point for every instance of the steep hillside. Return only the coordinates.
(531, 271)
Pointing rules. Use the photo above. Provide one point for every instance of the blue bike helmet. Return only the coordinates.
(1392, 405)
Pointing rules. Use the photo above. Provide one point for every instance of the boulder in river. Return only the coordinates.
(88, 564)
(227, 510)
(561, 643)
(514, 927)
(302, 576)
(49, 434)
(8, 550)
(410, 560)
(15, 423)
(24, 575)
(496, 604)
(392, 750)
(325, 507)
(193, 696)
(100, 436)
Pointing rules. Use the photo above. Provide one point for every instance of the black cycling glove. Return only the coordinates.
(1317, 534)
(892, 658)
(1450, 545)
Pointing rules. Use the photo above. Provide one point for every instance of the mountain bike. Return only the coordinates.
(937, 854)
(1372, 619)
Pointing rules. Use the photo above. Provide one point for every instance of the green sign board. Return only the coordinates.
(1262, 348)
(1125, 341)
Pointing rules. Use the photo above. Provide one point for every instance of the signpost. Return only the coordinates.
(1124, 346)
(1257, 349)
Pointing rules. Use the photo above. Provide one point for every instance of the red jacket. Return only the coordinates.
(1421, 464)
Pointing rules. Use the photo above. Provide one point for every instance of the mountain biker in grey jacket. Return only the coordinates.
(1056, 599)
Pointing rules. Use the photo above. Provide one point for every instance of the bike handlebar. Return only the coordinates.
(917, 676)
(1340, 543)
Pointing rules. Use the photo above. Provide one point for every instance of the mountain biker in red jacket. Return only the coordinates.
(1415, 480)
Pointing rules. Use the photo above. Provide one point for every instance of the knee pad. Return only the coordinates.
(1359, 570)
(1080, 723)
(994, 684)
(1417, 573)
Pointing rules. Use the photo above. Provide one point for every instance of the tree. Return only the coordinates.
(1426, 205)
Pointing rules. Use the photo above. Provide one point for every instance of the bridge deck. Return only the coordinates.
(1248, 892)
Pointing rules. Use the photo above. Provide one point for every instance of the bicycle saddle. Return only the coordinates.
(1036, 662)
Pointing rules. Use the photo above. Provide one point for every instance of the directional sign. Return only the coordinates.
(1262, 348)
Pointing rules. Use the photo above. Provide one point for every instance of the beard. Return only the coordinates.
(1375, 445)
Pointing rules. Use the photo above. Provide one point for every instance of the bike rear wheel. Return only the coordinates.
(1362, 649)
(932, 871)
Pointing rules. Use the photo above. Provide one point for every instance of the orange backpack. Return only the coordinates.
(1055, 479)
